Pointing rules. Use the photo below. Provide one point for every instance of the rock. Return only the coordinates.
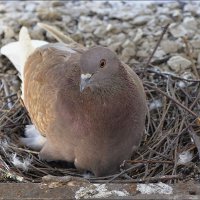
(159, 53)
(142, 54)
(190, 23)
(138, 35)
(100, 31)
(169, 46)
(31, 7)
(115, 46)
(195, 44)
(49, 15)
(119, 37)
(37, 33)
(177, 15)
(177, 31)
(2, 9)
(192, 8)
(127, 53)
(164, 19)
(178, 63)
(141, 20)
(87, 25)
(8, 32)
(57, 4)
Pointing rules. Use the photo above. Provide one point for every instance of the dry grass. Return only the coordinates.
(172, 127)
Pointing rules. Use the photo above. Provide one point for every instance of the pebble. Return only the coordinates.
(169, 46)
(132, 33)
(141, 20)
(8, 32)
(190, 23)
(178, 31)
(49, 15)
(127, 53)
(177, 63)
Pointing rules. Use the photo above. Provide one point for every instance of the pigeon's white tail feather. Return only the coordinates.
(18, 52)
(26, 47)
(33, 138)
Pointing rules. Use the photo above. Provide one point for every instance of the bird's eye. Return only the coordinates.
(102, 63)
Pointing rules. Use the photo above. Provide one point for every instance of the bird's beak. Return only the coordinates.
(85, 80)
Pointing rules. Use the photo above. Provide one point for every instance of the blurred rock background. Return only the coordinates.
(130, 28)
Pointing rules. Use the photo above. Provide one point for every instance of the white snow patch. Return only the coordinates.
(155, 188)
(185, 157)
(98, 191)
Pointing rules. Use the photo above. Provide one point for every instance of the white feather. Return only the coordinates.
(18, 52)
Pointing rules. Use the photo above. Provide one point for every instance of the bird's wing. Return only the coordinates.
(47, 71)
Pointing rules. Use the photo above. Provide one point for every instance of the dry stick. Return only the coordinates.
(144, 180)
(7, 93)
(190, 56)
(123, 172)
(158, 43)
(149, 161)
(172, 99)
(164, 74)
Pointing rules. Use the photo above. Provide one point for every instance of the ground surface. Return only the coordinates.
(132, 30)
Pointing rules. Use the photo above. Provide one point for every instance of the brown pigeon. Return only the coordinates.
(86, 105)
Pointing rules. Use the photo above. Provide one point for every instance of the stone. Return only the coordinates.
(57, 3)
(31, 7)
(8, 32)
(195, 44)
(192, 8)
(127, 53)
(178, 63)
(141, 20)
(169, 46)
(138, 35)
(142, 54)
(178, 31)
(49, 14)
(190, 23)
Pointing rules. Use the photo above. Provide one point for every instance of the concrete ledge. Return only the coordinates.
(83, 190)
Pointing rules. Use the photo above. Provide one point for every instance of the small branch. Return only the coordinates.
(6, 90)
(172, 99)
(123, 172)
(149, 161)
(144, 180)
(158, 43)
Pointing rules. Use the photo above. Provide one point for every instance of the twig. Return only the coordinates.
(174, 100)
(123, 172)
(7, 93)
(158, 43)
(149, 161)
(144, 180)
(190, 56)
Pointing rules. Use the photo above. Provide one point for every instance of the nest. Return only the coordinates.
(169, 152)
(172, 129)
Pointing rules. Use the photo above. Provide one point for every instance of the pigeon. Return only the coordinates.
(86, 105)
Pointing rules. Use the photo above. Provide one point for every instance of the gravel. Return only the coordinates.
(132, 29)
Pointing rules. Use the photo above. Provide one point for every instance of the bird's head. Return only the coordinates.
(98, 65)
